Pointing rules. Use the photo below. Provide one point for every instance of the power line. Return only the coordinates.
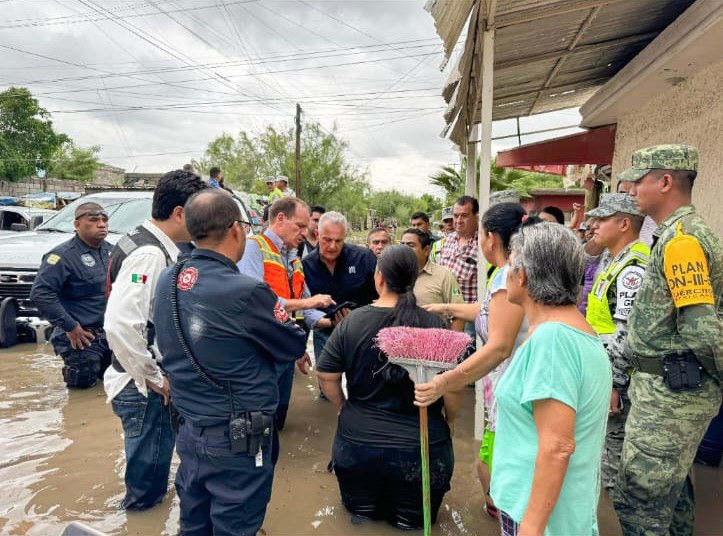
(93, 16)
(238, 63)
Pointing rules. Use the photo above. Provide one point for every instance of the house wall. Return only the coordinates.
(690, 113)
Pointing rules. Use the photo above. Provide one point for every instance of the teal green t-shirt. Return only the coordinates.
(561, 363)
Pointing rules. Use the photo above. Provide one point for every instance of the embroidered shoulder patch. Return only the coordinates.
(139, 278)
(280, 313)
(686, 271)
(187, 278)
(52, 259)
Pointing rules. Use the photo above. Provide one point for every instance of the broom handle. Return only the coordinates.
(426, 492)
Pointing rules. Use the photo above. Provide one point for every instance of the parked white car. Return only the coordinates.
(14, 218)
(22, 253)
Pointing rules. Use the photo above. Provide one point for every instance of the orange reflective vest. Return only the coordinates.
(275, 274)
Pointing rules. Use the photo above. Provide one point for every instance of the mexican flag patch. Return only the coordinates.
(139, 278)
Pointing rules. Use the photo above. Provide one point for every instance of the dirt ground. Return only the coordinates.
(61, 460)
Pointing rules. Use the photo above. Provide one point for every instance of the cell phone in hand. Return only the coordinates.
(338, 307)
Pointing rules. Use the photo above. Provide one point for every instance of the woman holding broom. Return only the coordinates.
(500, 324)
(376, 452)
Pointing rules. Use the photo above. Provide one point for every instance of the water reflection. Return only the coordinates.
(61, 460)
(61, 455)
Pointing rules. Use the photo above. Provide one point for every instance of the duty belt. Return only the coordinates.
(116, 364)
(648, 365)
(654, 365)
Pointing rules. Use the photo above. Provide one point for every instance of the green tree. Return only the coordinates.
(453, 180)
(27, 138)
(327, 177)
(73, 163)
(238, 158)
(395, 206)
(432, 204)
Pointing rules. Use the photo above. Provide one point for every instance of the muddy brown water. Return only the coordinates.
(61, 460)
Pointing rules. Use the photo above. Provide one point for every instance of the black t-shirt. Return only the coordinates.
(378, 412)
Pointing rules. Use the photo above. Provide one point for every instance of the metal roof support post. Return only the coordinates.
(486, 95)
(470, 187)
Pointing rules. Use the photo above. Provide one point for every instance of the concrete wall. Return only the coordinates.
(104, 176)
(109, 175)
(34, 186)
(691, 113)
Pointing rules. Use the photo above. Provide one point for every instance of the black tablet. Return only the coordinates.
(338, 307)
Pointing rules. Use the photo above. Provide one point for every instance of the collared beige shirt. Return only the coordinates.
(436, 284)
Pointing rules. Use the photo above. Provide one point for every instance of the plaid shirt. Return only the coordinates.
(463, 263)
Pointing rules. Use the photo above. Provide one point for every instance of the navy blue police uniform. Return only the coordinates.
(236, 332)
(68, 290)
(352, 280)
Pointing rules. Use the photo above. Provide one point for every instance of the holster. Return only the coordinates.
(250, 432)
(682, 371)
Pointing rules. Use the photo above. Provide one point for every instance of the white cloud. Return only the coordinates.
(154, 82)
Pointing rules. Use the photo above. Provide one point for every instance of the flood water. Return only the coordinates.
(61, 460)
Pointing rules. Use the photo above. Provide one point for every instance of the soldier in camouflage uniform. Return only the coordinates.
(617, 228)
(676, 339)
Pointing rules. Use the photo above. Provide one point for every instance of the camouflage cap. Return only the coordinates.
(504, 196)
(671, 156)
(613, 203)
(447, 213)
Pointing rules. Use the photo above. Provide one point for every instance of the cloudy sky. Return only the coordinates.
(154, 81)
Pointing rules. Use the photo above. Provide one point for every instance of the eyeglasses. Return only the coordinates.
(93, 215)
(243, 223)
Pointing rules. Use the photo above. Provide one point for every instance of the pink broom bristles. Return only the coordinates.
(430, 345)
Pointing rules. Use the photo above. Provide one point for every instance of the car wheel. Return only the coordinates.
(8, 329)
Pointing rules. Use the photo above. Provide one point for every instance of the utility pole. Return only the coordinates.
(298, 150)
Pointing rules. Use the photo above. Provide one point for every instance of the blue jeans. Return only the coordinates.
(221, 493)
(320, 338)
(285, 374)
(149, 441)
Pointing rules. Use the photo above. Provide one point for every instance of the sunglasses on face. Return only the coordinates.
(93, 215)
(243, 223)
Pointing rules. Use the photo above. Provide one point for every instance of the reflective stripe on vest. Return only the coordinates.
(436, 250)
(598, 312)
(275, 274)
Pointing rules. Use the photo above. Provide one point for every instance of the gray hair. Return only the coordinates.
(333, 218)
(553, 258)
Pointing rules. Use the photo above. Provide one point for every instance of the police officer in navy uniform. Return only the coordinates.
(220, 349)
(69, 291)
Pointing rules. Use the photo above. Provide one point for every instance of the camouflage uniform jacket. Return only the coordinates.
(626, 287)
(661, 319)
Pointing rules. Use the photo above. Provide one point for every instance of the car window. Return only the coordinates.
(123, 214)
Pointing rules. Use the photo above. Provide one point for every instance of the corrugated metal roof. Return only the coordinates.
(549, 54)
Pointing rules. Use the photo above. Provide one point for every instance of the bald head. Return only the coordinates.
(209, 214)
(84, 208)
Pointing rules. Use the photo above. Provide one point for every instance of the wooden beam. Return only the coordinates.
(592, 47)
(560, 62)
(528, 15)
